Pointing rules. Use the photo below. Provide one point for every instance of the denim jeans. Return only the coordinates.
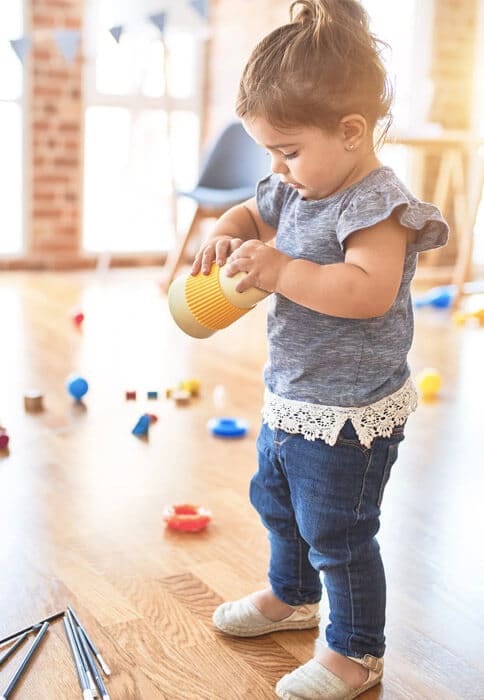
(321, 506)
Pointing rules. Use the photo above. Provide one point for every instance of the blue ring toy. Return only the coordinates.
(228, 427)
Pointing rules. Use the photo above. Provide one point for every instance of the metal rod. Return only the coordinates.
(25, 662)
(75, 635)
(32, 627)
(95, 651)
(13, 648)
(92, 665)
(81, 672)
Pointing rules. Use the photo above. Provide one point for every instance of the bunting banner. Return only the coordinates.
(116, 32)
(159, 21)
(21, 46)
(68, 40)
(200, 6)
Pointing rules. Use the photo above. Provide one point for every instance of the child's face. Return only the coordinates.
(313, 161)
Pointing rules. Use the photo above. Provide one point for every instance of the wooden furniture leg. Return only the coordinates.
(176, 256)
(466, 236)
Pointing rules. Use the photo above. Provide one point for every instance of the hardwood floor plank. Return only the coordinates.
(206, 670)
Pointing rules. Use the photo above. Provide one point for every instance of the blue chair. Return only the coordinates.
(231, 170)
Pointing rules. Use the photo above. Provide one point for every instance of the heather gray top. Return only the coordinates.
(329, 360)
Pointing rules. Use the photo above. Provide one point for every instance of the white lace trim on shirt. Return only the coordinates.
(319, 422)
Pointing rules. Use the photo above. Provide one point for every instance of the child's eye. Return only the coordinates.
(290, 156)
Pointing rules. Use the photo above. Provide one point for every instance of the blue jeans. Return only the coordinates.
(321, 506)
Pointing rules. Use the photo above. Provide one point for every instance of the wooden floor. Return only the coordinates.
(82, 498)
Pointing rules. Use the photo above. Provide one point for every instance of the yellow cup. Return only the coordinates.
(203, 304)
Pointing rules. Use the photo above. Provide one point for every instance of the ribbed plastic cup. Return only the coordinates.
(203, 304)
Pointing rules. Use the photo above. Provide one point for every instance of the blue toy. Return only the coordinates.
(76, 386)
(438, 297)
(228, 427)
(142, 426)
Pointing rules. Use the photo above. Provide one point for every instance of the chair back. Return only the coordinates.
(234, 161)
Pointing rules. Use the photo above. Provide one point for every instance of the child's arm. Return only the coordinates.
(365, 285)
(240, 223)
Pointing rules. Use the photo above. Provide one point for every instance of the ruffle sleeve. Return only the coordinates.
(370, 207)
(270, 197)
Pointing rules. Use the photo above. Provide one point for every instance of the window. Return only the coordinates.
(11, 132)
(141, 131)
(407, 28)
(478, 129)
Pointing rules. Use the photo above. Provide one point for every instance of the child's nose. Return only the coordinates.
(278, 166)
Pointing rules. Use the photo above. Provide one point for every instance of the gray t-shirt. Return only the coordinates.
(330, 360)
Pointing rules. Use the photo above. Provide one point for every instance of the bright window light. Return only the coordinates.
(142, 132)
(11, 149)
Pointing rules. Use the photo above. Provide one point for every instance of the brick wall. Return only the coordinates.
(55, 123)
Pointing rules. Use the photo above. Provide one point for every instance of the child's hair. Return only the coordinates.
(321, 66)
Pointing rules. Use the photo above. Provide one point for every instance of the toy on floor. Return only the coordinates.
(130, 395)
(187, 517)
(77, 386)
(228, 427)
(190, 385)
(219, 397)
(462, 317)
(181, 397)
(184, 392)
(33, 402)
(203, 304)
(77, 317)
(429, 382)
(4, 438)
(442, 297)
(438, 297)
(142, 426)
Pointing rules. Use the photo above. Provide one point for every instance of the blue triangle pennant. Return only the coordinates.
(68, 42)
(159, 21)
(21, 47)
(201, 6)
(116, 32)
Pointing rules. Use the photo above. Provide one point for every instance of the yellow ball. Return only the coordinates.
(429, 382)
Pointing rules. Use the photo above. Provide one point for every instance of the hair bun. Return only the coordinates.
(306, 11)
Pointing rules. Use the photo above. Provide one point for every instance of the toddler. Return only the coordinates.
(334, 235)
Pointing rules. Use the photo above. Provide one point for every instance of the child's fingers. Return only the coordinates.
(222, 250)
(197, 263)
(208, 256)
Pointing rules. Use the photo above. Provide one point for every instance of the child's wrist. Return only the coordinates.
(286, 273)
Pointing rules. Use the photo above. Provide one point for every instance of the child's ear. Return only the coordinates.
(354, 128)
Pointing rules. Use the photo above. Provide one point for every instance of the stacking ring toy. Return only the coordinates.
(228, 427)
(186, 517)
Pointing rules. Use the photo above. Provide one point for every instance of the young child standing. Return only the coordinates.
(345, 234)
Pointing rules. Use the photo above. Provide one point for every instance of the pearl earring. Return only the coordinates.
(351, 146)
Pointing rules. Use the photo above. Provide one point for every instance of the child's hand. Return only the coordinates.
(217, 250)
(263, 264)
